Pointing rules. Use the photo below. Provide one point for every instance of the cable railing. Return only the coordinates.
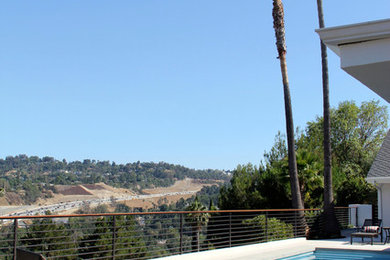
(150, 235)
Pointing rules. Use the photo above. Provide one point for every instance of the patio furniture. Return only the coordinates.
(371, 229)
(386, 230)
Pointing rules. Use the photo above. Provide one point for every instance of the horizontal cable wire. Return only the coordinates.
(145, 236)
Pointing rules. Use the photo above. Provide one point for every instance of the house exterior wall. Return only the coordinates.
(384, 203)
(364, 211)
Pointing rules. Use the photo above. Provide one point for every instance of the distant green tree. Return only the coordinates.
(269, 229)
(358, 132)
(355, 189)
(99, 243)
(243, 191)
(129, 243)
(254, 187)
(101, 208)
(6, 242)
(31, 192)
(50, 238)
(127, 240)
(197, 221)
(4, 185)
(122, 208)
(213, 238)
(311, 183)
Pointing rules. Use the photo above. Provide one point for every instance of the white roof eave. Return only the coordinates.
(333, 37)
(374, 180)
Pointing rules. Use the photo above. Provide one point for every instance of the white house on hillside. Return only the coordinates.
(364, 51)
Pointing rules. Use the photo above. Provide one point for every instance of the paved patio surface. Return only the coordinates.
(278, 249)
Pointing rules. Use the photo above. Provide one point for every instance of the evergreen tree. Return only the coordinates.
(51, 239)
(99, 243)
(110, 237)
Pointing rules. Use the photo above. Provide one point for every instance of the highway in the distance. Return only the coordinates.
(64, 206)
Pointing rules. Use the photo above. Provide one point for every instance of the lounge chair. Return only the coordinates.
(371, 228)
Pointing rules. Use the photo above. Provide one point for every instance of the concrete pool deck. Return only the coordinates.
(279, 249)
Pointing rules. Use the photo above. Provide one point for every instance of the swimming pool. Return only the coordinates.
(339, 254)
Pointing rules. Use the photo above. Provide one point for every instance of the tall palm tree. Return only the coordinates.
(197, 220)
(278, 16)
(331, 228)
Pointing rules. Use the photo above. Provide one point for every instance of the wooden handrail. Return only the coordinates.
(162, 212)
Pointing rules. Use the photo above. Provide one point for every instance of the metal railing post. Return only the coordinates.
(295, 224)
(357, 217)
(181, 233)
(349, 216)
(113, 236)
(266, 226)
(15, 236)
(230, 229)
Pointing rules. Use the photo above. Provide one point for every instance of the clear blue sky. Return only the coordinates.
(190, 82)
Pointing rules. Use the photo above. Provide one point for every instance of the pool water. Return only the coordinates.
(340, 254)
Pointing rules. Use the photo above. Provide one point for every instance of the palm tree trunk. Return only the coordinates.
(328, 191)
(330, 227)
(278, 15)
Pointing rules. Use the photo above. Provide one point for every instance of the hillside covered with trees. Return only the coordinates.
(35, 177)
